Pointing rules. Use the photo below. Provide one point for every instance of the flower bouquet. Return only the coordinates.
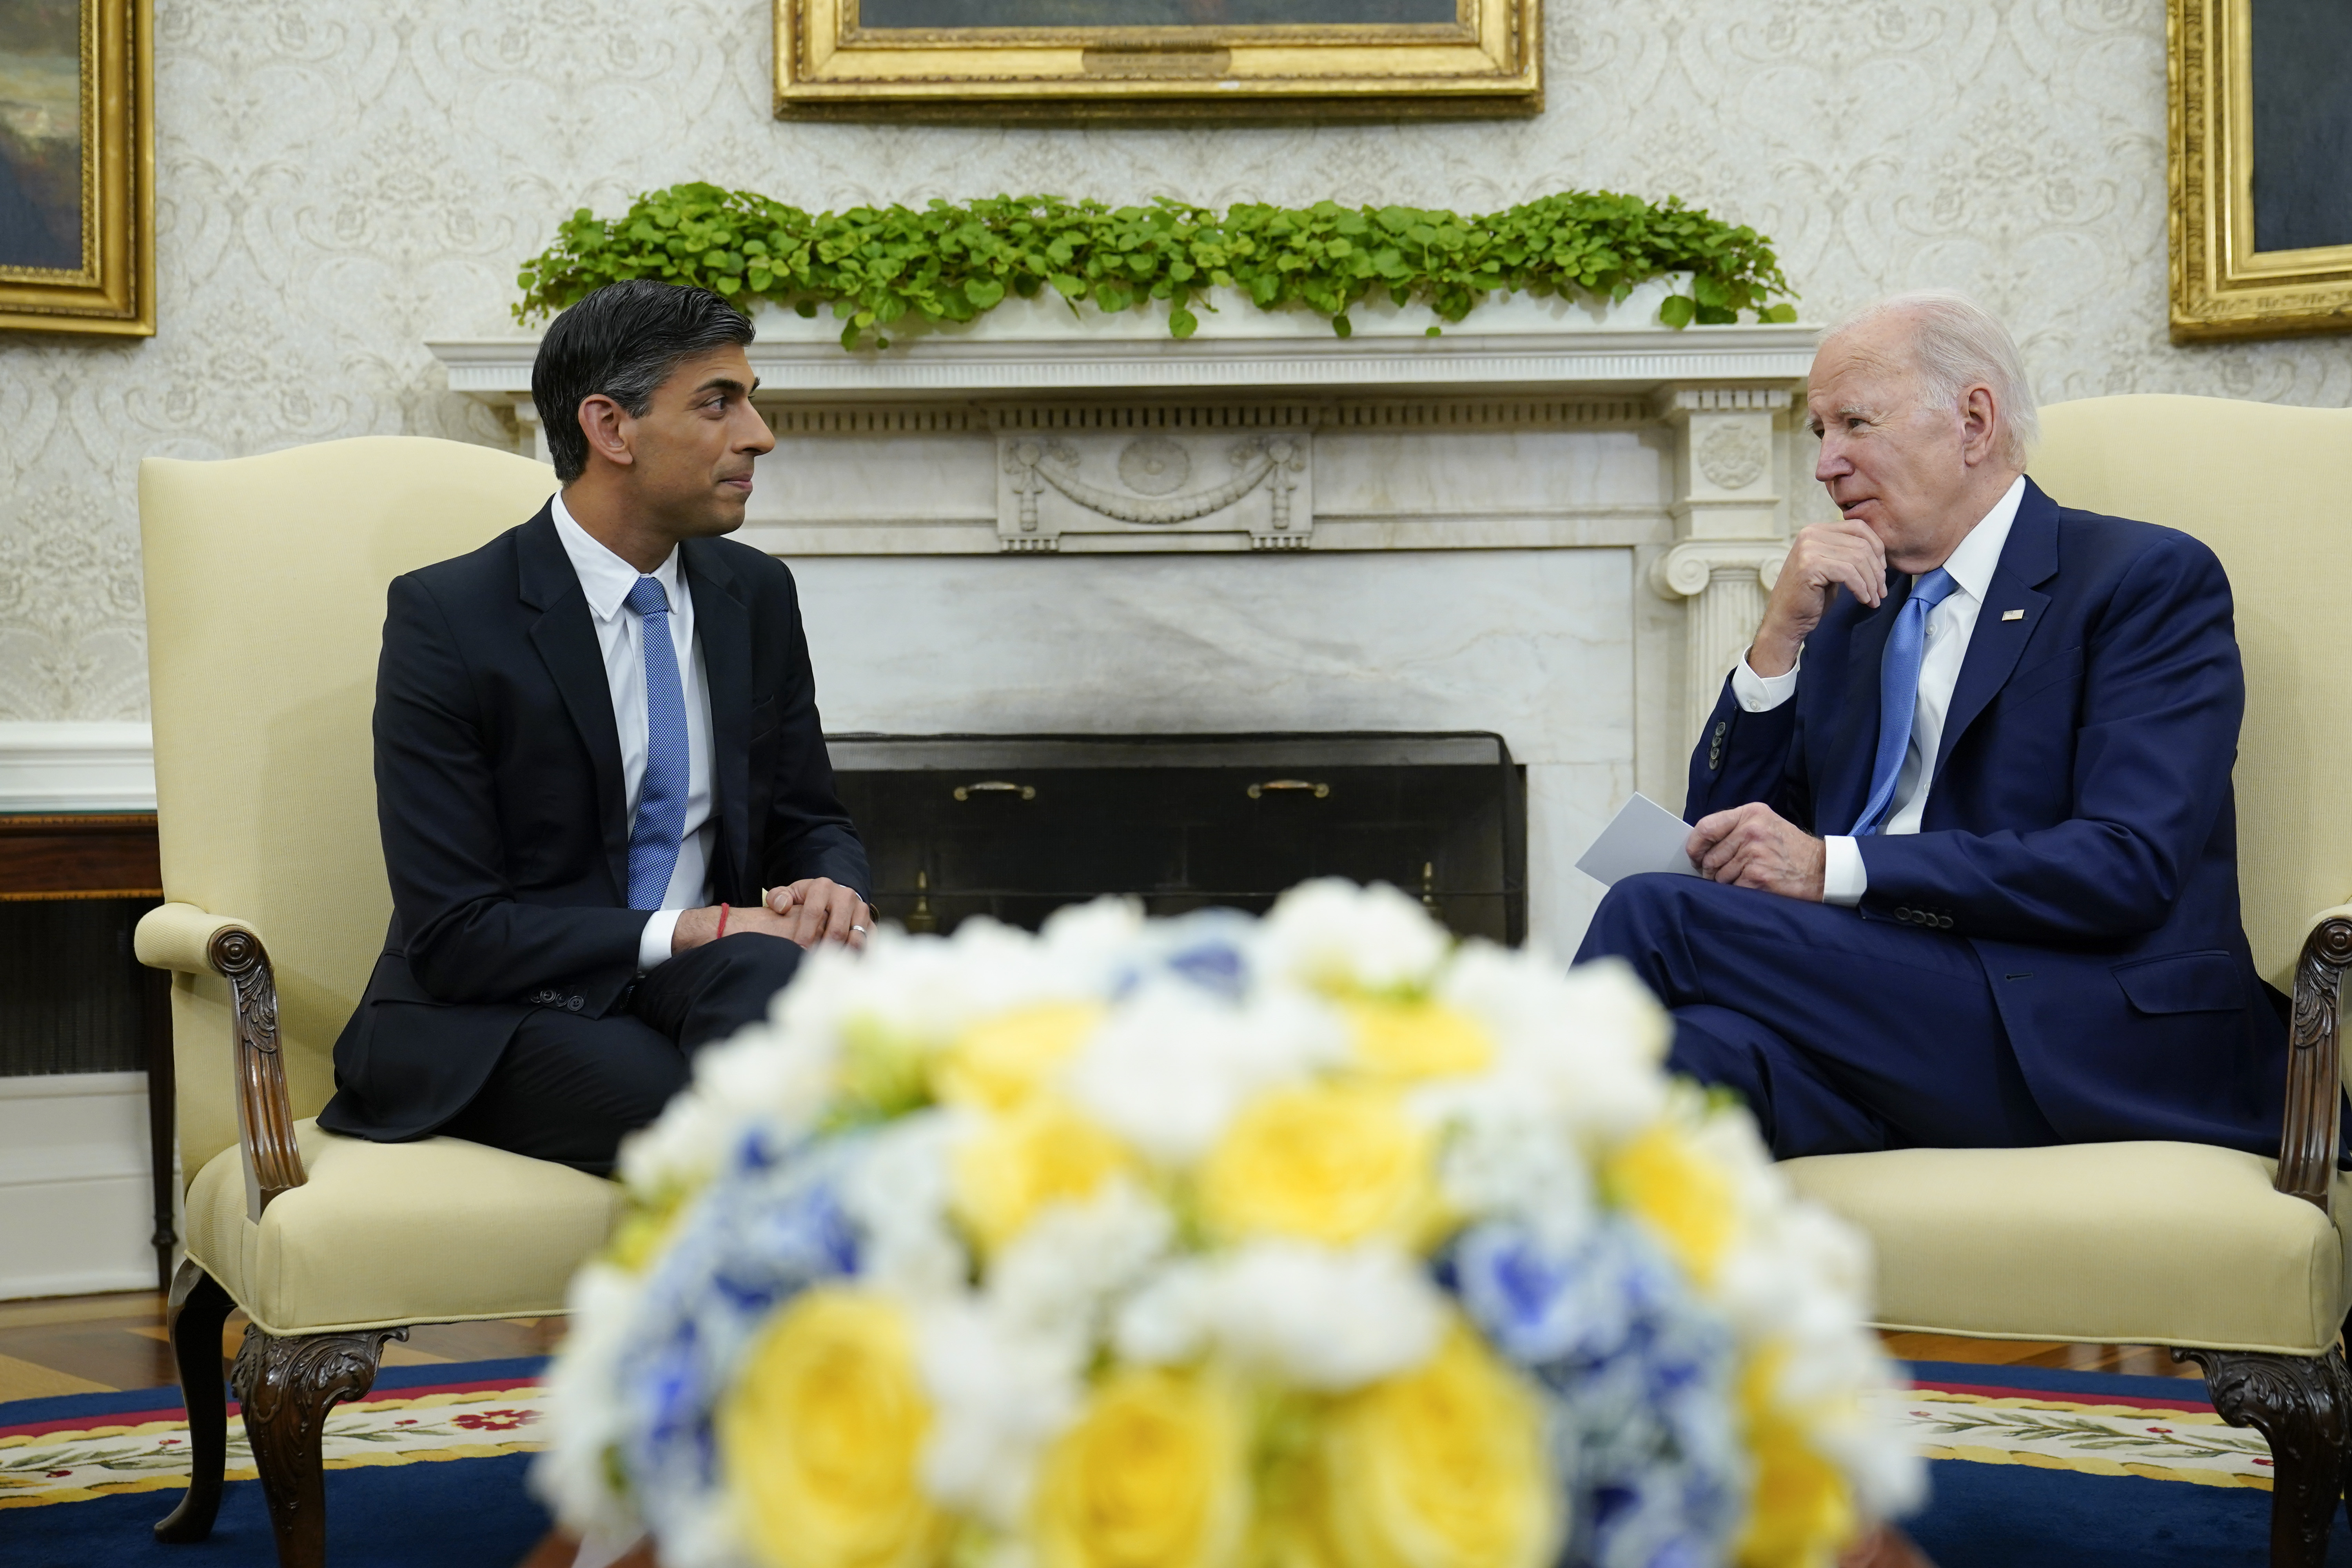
(1317, 1241)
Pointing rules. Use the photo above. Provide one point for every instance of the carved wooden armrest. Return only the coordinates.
(185, 938)
(2306, 1165)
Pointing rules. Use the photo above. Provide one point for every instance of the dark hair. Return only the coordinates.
(621, 341)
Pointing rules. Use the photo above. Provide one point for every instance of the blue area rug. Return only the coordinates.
(472, 1514)
(2013, 1515)
(429, 1470)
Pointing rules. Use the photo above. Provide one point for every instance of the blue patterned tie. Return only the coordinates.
(661, 799)
(1898, 694)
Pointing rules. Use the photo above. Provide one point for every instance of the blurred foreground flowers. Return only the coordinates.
(1310, 1242)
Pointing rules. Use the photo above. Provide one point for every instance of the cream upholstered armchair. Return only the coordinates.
(2236, 1262)
(265, 581)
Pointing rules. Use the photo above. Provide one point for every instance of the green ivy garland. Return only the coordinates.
(876, 265)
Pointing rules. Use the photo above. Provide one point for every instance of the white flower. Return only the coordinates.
(1321, 1317)
(1174, 1064)
(999, 1393)
(776, 1075)
(1505, 1152)
(896, 1195)
(1585, 1043)
(573, 1476)
(1072, 1259)
(1331, 934)
(1089, 943)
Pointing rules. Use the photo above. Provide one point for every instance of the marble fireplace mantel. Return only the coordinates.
(1580, 511)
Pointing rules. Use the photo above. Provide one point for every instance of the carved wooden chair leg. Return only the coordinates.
(2304, 1405)
(288, 1386)
(193, 1320)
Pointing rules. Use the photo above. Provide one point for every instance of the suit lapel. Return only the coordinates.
(565, 635)
(1847, 780)
(724, 628)
(2028, 557)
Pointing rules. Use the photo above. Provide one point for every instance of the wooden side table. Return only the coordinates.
(95, 855)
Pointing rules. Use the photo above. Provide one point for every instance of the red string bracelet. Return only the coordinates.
(722, 923)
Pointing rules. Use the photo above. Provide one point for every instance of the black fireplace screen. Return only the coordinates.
(1016, 826)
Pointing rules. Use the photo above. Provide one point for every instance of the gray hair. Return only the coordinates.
(1956, 345)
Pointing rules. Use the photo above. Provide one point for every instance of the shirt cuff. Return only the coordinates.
(1762, 693)
(653, 945)
(1844, 878)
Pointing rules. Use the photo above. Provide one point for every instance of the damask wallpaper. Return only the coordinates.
(341, 179)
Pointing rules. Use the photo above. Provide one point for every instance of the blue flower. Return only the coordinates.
(1206, 949)
(1639, 1371)
(771, 1225)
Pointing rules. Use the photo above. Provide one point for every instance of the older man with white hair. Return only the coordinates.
(1963, 811)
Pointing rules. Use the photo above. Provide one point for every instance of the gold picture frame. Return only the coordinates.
(1222, 61)
(76, 167)
(2224, 283)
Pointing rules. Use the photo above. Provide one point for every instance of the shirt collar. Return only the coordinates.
(604, 577)
(1976, 556)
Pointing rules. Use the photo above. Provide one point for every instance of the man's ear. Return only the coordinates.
(1979, 422)
(607, 426)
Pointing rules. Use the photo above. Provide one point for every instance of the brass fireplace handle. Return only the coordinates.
(996, 786)
(1321, 790)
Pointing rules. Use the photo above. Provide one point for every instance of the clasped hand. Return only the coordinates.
(806, 912)
(1753, 847)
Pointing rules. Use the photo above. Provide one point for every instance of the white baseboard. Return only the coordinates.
(77, 765)
(77, 1207)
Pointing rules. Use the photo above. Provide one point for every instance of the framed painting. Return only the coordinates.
(76, 167)
(992, 60)
(2261, 163)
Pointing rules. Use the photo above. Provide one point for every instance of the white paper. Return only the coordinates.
(1642, 837)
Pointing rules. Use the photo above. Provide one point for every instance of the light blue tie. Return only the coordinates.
(1898, 694)
(661, 798)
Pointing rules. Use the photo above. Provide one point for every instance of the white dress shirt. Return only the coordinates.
(1950, 626)
(606, 580)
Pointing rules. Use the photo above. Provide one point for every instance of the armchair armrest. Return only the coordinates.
(2307, 1141)
(180, 937)
(189, 940)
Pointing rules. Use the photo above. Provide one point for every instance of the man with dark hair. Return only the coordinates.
(608, 817)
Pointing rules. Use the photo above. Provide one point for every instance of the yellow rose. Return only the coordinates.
(1802, 1513)
(882, 1074)
(822, 1435)
(1015, 1163)
(1151, 1477)
(1416, 1039)
(998, 1064)
(1330, 1162)
(1686, 1199)
(1443, 1467)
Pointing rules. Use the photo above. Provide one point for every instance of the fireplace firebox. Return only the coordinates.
(1014, 827)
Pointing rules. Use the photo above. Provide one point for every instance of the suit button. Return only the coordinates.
(1713, 758)
(572, 1005)
(1945, 921)
(1722, 728)
(1902, 914)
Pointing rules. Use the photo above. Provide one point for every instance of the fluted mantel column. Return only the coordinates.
(1731, 526)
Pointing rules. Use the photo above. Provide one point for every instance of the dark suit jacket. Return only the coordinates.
(2081, 833)
(500, 799)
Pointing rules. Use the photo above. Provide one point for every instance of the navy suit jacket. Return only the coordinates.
(2079, 833)
(500, 799)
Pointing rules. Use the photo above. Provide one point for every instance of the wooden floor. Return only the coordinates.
(87, 1344)
(90, 1344)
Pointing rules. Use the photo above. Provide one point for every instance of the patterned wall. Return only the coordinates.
(341, 179)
